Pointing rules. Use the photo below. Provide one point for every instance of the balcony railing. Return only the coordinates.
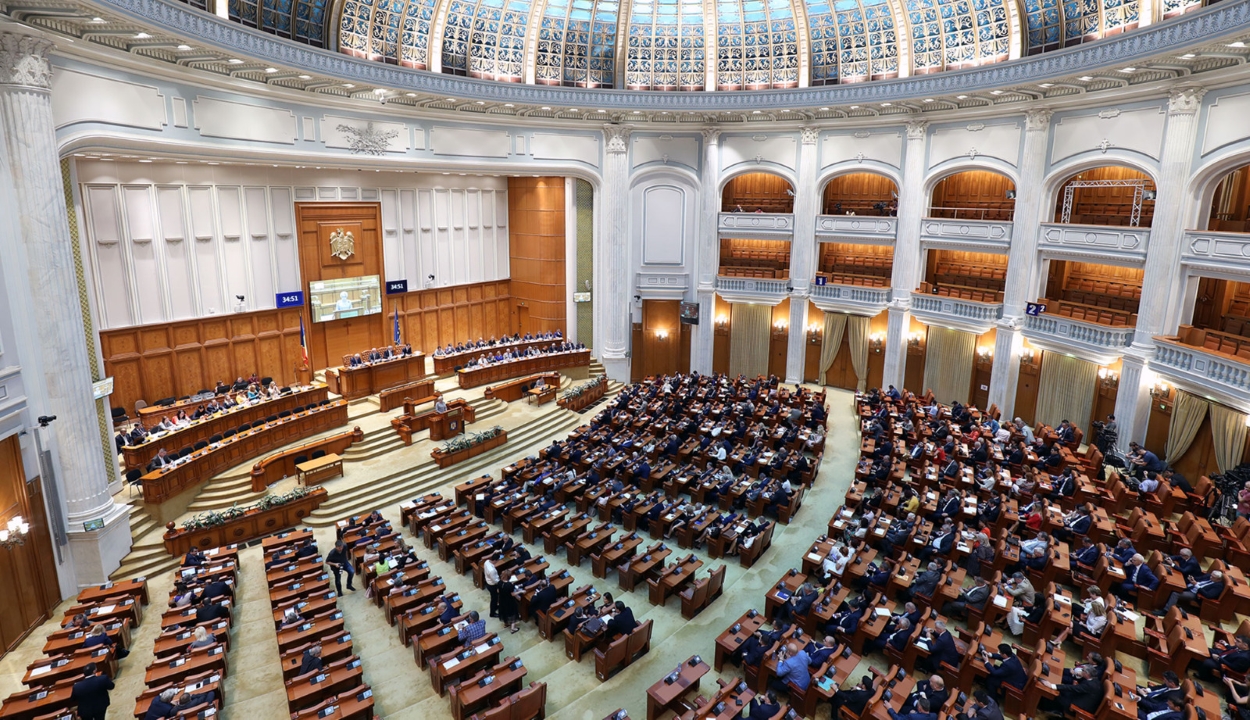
(736, 289)
(756, 226)
(1213, 371)
(1104, 342)
(1106, 242)
(856, 228)
(834, 297)
(968, 315)
(1223, 250)
(971, 234)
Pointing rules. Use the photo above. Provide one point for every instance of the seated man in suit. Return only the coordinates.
(1223, 657)
(1209, 585)
(169, 702)
(1137, 576)
(1086, 555)
(194, 558)
(974, 597)
(1077, 523)
(1154, 699)
(934, 690)
(764, 707)
(209, 611)
(940, 544)
(543, 599)
(1008, 671)
(1173, 709)
(941, 646)
(925, 583)
(310, 660)
(622, 621)
(792, 667)
(1185, 563)
(160, 460)
(799, 604)
(854, 699)
(921, 712)
(897, 635)
(754, 648)
(981, 707)
(1124, 551)
(819, 652)
(1084, 692)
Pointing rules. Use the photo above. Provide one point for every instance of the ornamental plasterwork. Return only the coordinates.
(810, 135)
(1222, 20)
(1037, 118)
(1185, 100)
(617, 137)
(24, 60)
(367, 140)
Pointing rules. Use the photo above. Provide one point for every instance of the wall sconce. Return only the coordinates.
(814, 333)
(985, 352)
(781, 325)
(1108, 378)
(914, 340)
(722, 322)
(661, 334)
(15, 533)
(1028, 354)
(1160, 390)
(876, 342)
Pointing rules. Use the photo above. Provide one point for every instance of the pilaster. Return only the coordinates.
(1132, 400)
(906, 271)
(802, 253)
(614, 275)
(53, 288)
(707, 257)
(1022, 262)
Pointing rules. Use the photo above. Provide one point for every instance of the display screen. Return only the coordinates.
(345, 297)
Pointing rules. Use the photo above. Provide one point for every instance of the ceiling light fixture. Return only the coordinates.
(886, 104)
(142, 36)
(451, 99)
(1085, 78)
(1128, 70)
(379, 91)
(1046, 85)
(145, 161)
(1238, 44)
(509, 105)
(410, 94)
(100, 20)
(854, 107)
(305, 77)
(996, 92)
(271, 70)
(348, 85)
(1188, 56)
(235, 61)
(928, 99)
(184, 47)
(824, 109)
(546, 108)
(961, 97)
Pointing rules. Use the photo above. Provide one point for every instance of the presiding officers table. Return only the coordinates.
(372, 378)
(481, 375)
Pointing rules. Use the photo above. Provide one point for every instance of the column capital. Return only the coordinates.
(24, 60)
(916, 129)
(1185, 100)
(711, 135)
(809, 135)
(1037, 118)
(616, 137)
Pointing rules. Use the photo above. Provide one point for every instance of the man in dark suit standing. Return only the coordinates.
(91, 694)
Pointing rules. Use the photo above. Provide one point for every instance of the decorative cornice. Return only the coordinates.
(1037, 119)
(1206, 25)
(24, 60)
(916, 129)
(1185, 101)
(810, 135)
(616, 137)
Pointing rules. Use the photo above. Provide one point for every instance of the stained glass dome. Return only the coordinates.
(693, 45)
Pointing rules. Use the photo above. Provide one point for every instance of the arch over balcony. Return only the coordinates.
(1115, 195)
(860, 193)
(1229, 209)
(973, 195)
(757, 192)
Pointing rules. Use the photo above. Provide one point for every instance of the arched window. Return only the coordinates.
(757, 45)
(393, 31)
(301, 20)
(665, 48)
(1086, 20)
(486, 39)
(852, 41)
(577, 43)
(1045, 25)
(950, 34)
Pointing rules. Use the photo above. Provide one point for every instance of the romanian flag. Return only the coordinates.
(303, 340)
(396, 342)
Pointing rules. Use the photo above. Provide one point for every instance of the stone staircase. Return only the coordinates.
(147, 555)
(425, 476)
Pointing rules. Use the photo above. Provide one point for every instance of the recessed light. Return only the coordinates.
(996, 92)
(824, 109)
(235, 61)
(142, 36)
(961, 97)
(184, 47)
(214, 163)
(546, 108)
(271, 70)
(663, 112)
(572, 109)
(1238, 44)
(451, 99)
(348, 85)
(1085, 78)
(100, 20)
(1046, 85)
(854, 107)
(145, 161)
(481, 102)
(509, 105)
(410, 94)
(1188, 56)
(305, 77)
(180, 162)
(928, 99)
(755, 112)
(1128, 70)
(637, 112)
(379, 91)
(886, 104)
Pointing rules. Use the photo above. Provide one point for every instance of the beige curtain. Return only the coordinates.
(749, 339)
(1066, 390)
(1187, 416)
(831, 341)
(948, 364)
(1228, 429)
(857, 335)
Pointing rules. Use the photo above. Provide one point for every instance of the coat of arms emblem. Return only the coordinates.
(342, 244)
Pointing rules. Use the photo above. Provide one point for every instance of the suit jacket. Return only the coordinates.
(1143, 577)
(1086, 695)
(803, 604)
(937, 698)
(159, 709)
(1082, 524)
(761, 710)
(92, 695)
(212, 612)
(1156, 698)
(623, 622)
(1087, 556)
(945, 542)
(1211, 590)
(543, 599)
(944, 651)
(989, 711)
(309, 662)
(216, 589)
(976, 597)
(926, 583)
(1010, 672)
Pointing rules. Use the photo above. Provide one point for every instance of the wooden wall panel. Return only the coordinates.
(435, 317)
(858, 192)
(973, 188)
(653, 355)
(1102, 201)
(1230, 203)
(27, 571)
(1027, 385)
(175, 359)
(720, 343)
(913, 373)
(757, 191)
(536, 244)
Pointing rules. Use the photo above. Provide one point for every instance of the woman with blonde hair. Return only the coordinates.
(201, 639)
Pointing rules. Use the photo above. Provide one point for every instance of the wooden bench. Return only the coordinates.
(702, 593)
(514, 390)
(273, 468)
(417, 393)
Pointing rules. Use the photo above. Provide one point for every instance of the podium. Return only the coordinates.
(444, 425)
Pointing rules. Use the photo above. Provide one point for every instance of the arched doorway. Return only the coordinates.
(1109, 195)
(974, 195)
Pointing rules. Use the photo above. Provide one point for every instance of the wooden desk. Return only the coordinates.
(37, 702)
(251, 524)
(407, 396)
(370, 379)
(663, 696)
(515, 389)
(468, 697)
(475, 376)
(321, 469)
(355, 704)
(138, 456)
(165, 483)
(138, 587)
(541, 395)
(727, 643)
(273, 468)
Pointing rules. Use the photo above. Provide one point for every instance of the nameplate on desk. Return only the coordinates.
(289, 299)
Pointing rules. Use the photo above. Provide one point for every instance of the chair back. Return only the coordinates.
(639, 641)
(716, 582)
(530, 703)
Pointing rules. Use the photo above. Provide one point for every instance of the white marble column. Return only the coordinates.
(1160, 302)
(1022, 262)
(707, 257)
(29, 146)
(905, 276)
(802, 252)
(612, 256)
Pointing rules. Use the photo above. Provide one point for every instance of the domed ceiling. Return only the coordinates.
(693, 45)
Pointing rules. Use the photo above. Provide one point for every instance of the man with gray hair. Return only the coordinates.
(1137, 576)
(1209, 586)
(1023, 428)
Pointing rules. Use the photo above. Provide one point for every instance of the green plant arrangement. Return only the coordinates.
(466, 441)
(580, 390)
(212, 519)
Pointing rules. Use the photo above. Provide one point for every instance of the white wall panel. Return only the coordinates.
(755, 149)
(259, 248)
(442, 237)
(975, 139)
(179, 278)
(241, 121)
(392, 243)
(411, 268)
(206, 243)
(141, 228)
(1226, 121)
(1139, 130)
(663, 216)
(82, 97)
(104, 226)
(883, 146)
(234, 254)
(285, 244)
(425, 239)
(456, 239)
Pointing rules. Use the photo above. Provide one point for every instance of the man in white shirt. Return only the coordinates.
(1026, 431)
(491, 575)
